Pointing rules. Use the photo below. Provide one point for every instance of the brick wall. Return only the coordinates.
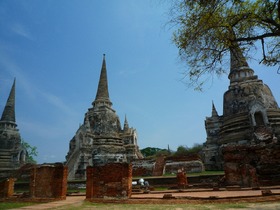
(48, 181)
(113, 180)
(7, 188)
(159, 166)
(252, 165)
(143, 167)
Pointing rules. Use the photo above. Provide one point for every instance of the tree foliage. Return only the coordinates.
(185, 151)
(31, 152)
(153, 151)
(207, 29)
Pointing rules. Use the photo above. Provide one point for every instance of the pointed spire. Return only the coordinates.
(237, 60)
(125, 126)
(239, 68)
(214, 111)
(102, 94)
(168, 149)
(8, 114)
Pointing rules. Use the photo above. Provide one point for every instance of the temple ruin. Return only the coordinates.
(251, 117)
(12, 152)
(101, 139)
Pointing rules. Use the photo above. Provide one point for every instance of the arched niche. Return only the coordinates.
(258, 114)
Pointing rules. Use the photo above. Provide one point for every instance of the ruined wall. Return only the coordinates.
(143, 167)
(7, 188)
(167, 165)
(48, 181)
(113, 180)
(188, 166)
(252, 165)
(159, 166)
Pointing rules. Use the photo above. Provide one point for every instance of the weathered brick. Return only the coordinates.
(113, 180)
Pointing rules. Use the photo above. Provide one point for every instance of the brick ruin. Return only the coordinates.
(252, 165)
(48, 181)
(167, 165)
(242, 140)
(45, 182)
(113, 180)
(7, 188)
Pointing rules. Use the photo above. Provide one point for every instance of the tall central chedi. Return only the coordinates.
(101, 139)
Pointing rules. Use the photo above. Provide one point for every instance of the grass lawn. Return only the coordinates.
(108, 206)
(200, 173)
(13, 205)
(88, 205)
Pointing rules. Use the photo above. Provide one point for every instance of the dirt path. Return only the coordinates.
(252, 198)
(70, 201)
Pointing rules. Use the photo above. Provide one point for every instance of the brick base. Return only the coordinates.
(252, 165)
(48, 182)
(7, 188)
(111, 181)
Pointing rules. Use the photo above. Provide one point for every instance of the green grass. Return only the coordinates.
(200, 173)
(206, 173)
(161, 188)
(187, 206)
(88, 205)
(12, 205)
(76, 190)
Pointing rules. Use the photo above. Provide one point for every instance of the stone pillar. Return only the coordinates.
(110, 181)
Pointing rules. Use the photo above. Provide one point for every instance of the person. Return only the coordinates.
(144, 184)
(141, 182)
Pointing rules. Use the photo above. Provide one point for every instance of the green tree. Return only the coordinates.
(31, 152)
(182, 151)
(207, 29)
(152, 151)
(195, 149)
(185, 151)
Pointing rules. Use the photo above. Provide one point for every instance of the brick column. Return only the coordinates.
(113, 180)
(59, 181)
(48, 181)
(7, 188)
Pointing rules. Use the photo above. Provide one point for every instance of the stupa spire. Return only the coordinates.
(126, 126)
(239, 68)
(214, 111)
(102, 95)
(8, 114)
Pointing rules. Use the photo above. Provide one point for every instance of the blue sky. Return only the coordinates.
(55, 48)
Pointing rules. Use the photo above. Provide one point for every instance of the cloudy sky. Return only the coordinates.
(54, 50)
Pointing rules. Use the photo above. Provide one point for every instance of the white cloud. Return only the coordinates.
(32, 91)
(15, 71)
(21, 30)
(56, 102)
